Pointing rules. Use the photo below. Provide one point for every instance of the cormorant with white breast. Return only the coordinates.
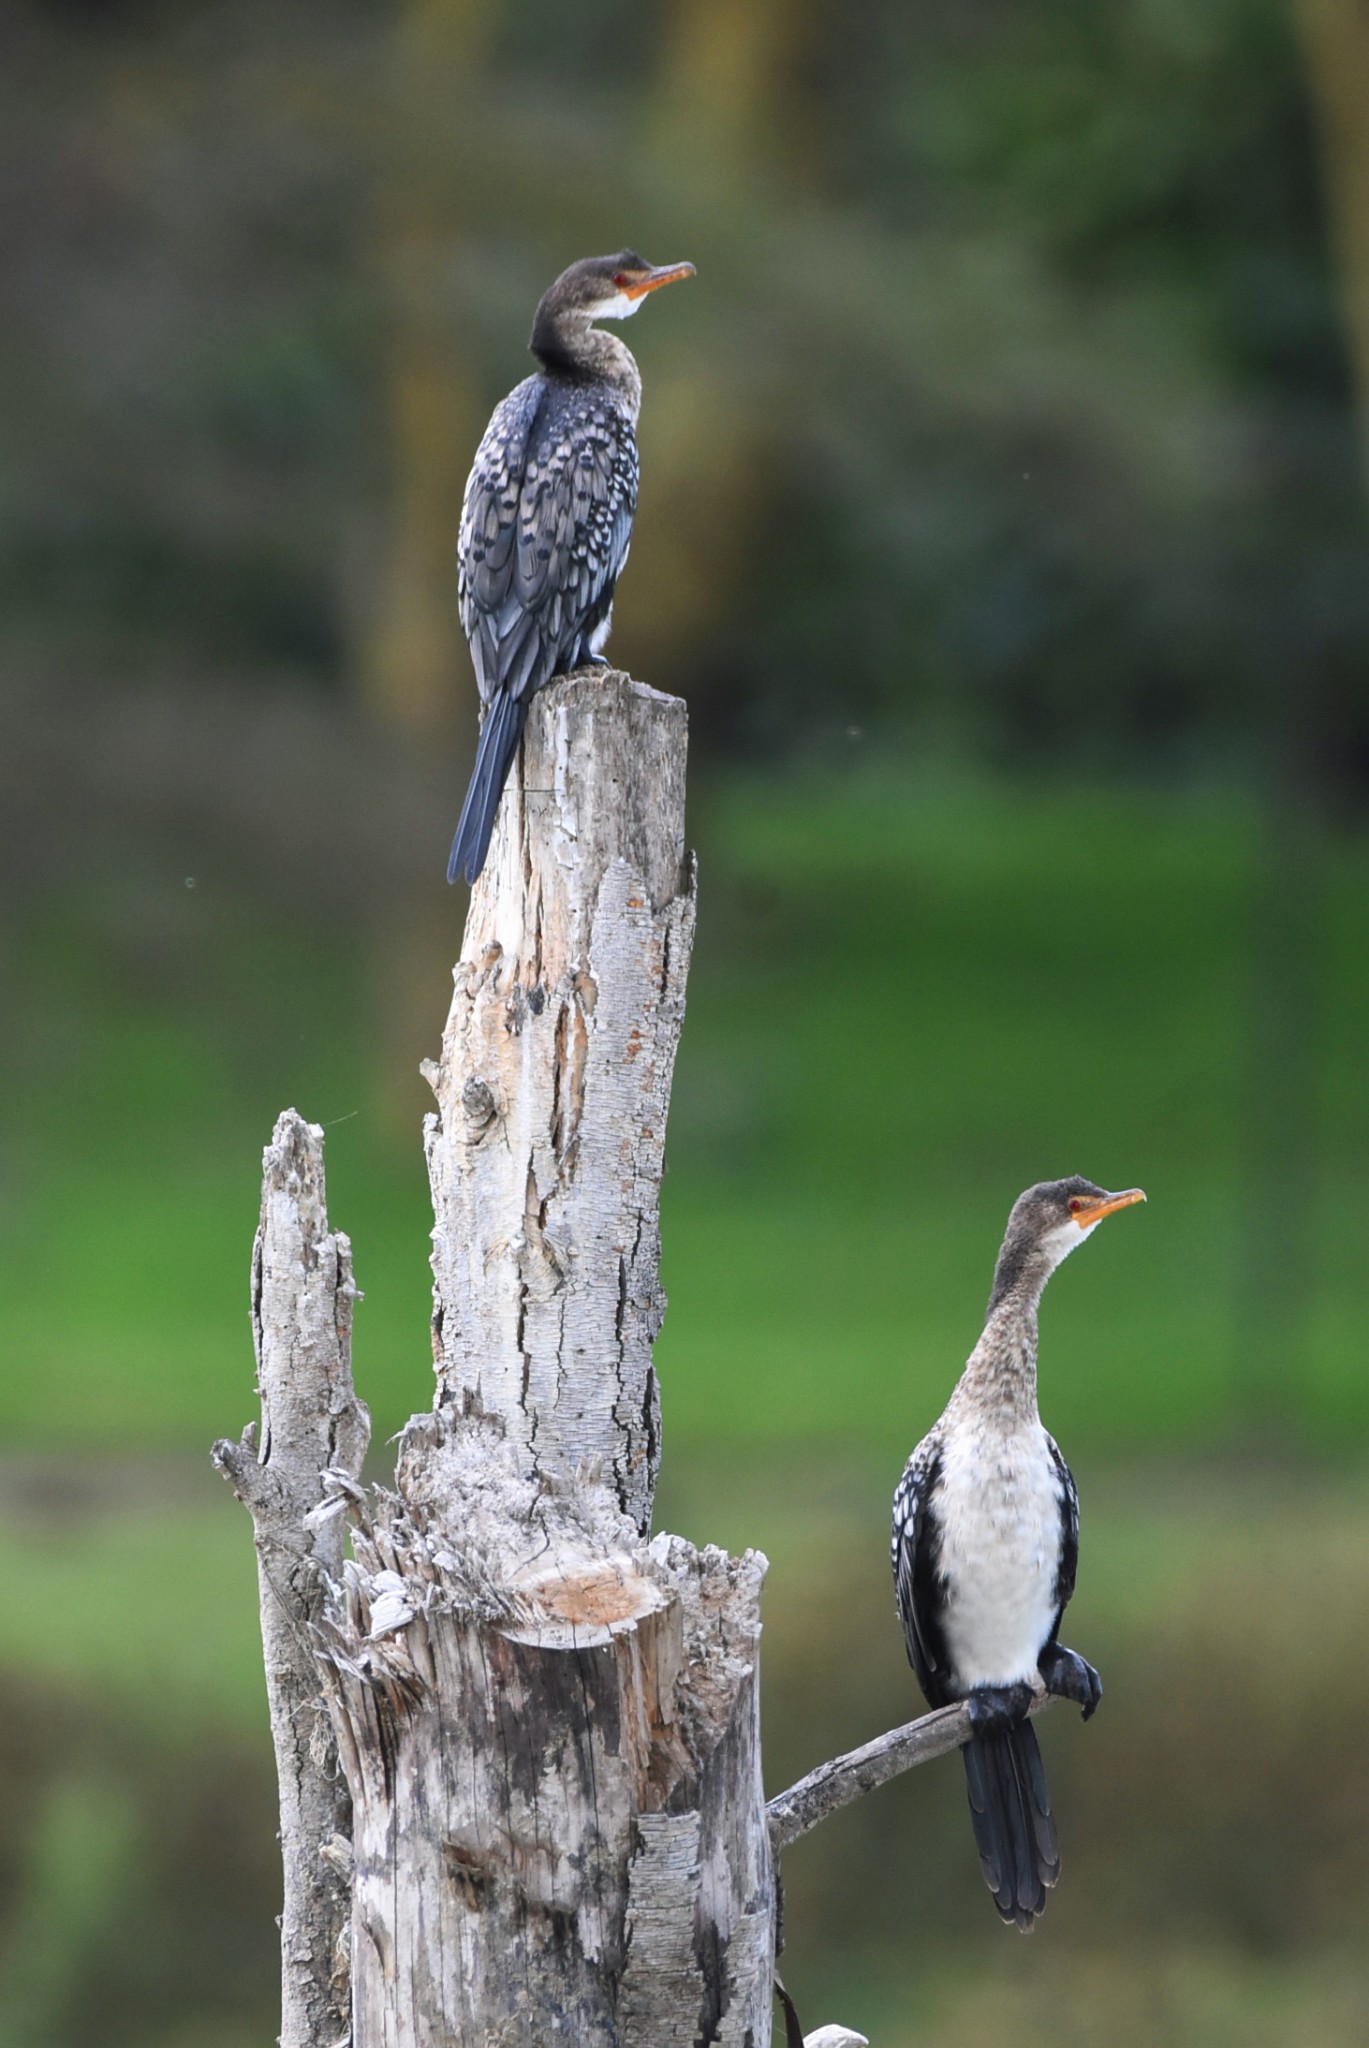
(547, 517)
(985, 1547)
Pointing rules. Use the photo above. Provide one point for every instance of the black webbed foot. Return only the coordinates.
(998, 1706)
(1071, 1677)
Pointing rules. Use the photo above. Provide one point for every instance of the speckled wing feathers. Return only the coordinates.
(918, 1585)
(1069, 1534)
(489, 526)
(544, 530)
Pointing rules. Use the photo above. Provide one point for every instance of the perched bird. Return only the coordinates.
(985, 1546)
(547, 516)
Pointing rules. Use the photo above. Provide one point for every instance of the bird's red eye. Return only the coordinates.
(1075, 1205)
(621, 278)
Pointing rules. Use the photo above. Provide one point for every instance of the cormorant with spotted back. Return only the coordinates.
(547, 517)
(985, 1548)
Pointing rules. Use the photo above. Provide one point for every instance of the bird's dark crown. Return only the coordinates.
(593, 279)
(1045, 1224)
(597, 287)
(1046, 1206)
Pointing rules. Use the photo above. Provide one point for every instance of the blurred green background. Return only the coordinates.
(1003, 522)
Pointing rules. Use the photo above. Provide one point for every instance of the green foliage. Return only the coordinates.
(109, 1597)
(1197, 1815)
(1213, 1861)
(914, 994)
(1009, 420)
(82, 1851)
(1012, 400)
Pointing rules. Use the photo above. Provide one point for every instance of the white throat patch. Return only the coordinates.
(1065, 1238)
(619, 307)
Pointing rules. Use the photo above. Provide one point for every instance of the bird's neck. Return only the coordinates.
(999, 1381)
(567, 345)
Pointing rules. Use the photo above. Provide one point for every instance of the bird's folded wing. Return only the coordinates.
(918, 1585)
(544, 531)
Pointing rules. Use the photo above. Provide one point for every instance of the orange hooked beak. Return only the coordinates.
(1089, 1209)
(652, 280)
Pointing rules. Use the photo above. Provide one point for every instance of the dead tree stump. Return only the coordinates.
(311, 1423)
(517, 1738)
(548, 1723)
(547, 1149)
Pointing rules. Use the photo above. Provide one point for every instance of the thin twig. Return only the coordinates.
(846, 1778)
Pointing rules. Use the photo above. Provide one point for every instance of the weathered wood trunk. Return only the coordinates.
(549, 1724)
(547, 1149)
(311, 1422)
(552, 1742)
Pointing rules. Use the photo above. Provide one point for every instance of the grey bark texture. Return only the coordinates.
(518, 1738)
(311, 1423)
(847, 1778)
(546, 1151)
(551, 1731)
(549, 1725)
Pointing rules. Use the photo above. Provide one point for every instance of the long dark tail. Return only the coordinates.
(499, 737)
(1011, 1810)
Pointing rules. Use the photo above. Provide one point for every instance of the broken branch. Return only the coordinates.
(849, 1777)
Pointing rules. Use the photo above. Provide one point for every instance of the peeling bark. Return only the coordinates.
(548, 1724)
(547, 1148)
(518, 1740)
(559, 1831)
(311, 1423)
(847, 1778)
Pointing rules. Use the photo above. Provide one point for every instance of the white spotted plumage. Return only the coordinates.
(985, 1549)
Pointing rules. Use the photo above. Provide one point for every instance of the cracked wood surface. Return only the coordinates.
(846, 1778)
(547, 1147)
(551, 1726)
(302, 1295)
(548, 1725)
(552, 1734)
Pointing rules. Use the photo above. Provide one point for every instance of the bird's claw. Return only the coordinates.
(1068, 1676)
(990, 1707)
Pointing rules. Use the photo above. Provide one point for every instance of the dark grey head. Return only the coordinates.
(598, 288)
(1045, 1225)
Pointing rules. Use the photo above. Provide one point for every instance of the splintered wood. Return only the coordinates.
(550, 1810)
(311, 1423)
(548, 1723)
(547, 1148)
